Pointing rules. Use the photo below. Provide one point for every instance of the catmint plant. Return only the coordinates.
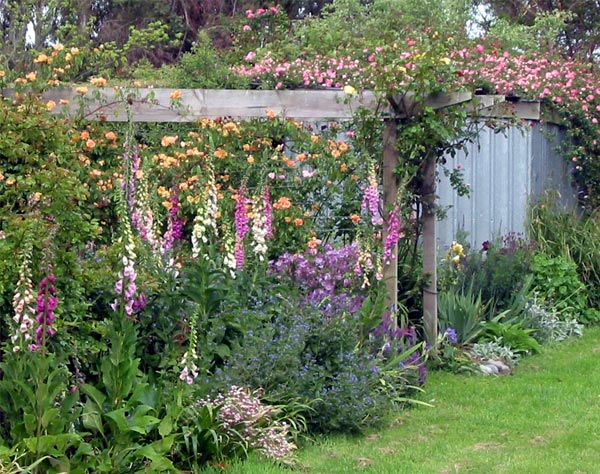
(325, 277)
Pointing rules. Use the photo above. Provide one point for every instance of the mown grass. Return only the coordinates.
(545, 418)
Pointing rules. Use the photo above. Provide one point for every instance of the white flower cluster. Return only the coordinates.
(259, 229)
(206, 217)
(23, 304)
(243, 415)
(229, 261)
(190, 370)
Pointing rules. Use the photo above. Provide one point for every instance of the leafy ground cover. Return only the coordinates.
(542, 418)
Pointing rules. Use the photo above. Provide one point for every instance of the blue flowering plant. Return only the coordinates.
(400, 359)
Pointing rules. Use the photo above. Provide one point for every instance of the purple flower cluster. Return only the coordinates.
(241, 227)
(268, 211)
(370, 200)
(243, 415)
(46, 303)
(450, 333)
(174, 226)
(392, 236)
(323, 276)
(398, 340)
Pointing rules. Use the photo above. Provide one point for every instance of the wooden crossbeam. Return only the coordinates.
(155, 104)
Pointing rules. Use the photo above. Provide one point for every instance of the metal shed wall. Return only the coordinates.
(505, 172)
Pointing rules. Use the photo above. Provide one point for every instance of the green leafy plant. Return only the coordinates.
(39, 409)
(556, 280)
(547, 324)
(462, 311)
(121, 410)
(513, 335)
(205, 67)
(494, 350)
(567, 234)
(499, 271)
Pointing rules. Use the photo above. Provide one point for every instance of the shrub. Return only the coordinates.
(303, 356)
(498, 271)
(205, 68)
(569, 235)
(556, 281)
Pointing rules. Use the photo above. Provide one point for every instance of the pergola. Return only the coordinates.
(156, 105)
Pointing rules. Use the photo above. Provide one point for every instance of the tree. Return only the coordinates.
(578, 36)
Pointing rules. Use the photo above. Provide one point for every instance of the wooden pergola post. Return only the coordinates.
(428, 198)
(390, 193)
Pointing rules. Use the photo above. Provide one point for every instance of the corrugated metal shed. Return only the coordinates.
(505, 171)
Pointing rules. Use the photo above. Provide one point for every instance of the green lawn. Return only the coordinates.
(545, 418)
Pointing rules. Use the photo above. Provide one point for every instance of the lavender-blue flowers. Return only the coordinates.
(450, 333)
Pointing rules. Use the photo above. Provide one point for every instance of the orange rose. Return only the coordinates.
(220, 153)
(168, 140)
(98, 81)
(313, 243)
(282, 203)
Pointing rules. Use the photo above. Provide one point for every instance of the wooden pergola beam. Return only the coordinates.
(155, 104)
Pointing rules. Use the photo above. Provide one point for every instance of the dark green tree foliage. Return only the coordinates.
(580, 36)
